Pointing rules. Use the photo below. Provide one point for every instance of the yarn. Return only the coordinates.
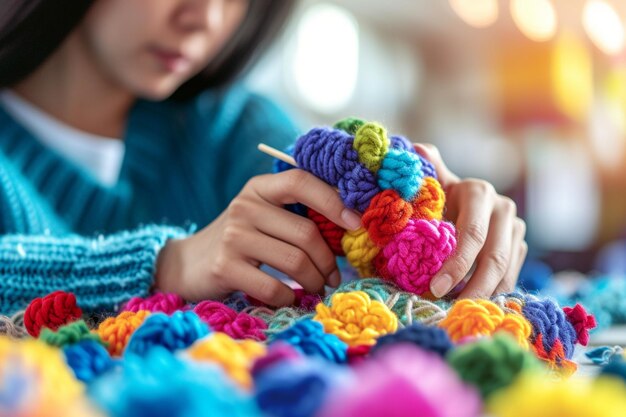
(276, 353)
(327, 153)
(8, 328)
(116, 331)
(484, 318)
(174, 332)
(387, 181)
(417, 253)
(296, 388)
(166, 303)
(88, 359)
(357, 354)
(491, 364)
(306, 301)
(551, 329)
(401, 171)
(603, 355)
(357, 187)
(235, 357)
(161, 385)
(371, 144)
(430, 200)
(387, 215)
(360, 251)
(331, 232)
(355, 318)
(432, 339)
(581, 321)
(615, 368)
(36, 381)
(403, 381)
(533, 394)
(308, 337)
(52, 311)
(69, 334)
(349, 124)
(223, 319)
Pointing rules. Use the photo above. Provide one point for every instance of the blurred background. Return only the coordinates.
(527, 94)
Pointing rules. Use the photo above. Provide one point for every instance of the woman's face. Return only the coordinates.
(151, 47)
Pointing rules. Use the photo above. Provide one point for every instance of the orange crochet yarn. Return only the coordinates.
(236, 357)
(430, 200)
(469, 318)
(386, 215)
(116, 331)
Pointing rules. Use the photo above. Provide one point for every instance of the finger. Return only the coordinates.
(298, 186)
(260, 285)
(431, 153)
(300, 232)
(282, 256)
(520, 249)
(495, 259)
(472, 226)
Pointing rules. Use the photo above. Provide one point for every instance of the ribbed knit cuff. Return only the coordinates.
(102, 272)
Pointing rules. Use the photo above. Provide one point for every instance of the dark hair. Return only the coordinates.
(30, 30)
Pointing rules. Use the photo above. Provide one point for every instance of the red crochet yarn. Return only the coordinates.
(331, 233)
(224, 319)
(386, 215)
(581, 321)
(52, 311)
(358, 353)
(160, 302)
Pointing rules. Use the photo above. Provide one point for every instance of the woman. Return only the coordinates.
(121, 117)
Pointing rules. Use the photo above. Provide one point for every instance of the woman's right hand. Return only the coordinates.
(255, 229)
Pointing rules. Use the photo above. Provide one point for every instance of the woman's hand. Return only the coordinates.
(489, 233)
(255, 229)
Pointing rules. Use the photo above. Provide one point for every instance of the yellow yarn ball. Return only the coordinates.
(235, 357)
(355, 318)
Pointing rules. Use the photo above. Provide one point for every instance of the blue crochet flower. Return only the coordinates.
(308, 337)
(434, 339)
(88, 359)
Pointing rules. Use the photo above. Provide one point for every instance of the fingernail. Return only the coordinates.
(441, 285)
(334, 279)
(352, 219)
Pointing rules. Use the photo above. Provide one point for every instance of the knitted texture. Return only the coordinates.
(116, 331)
(403, 237)
(432, 339)
(69, 334)
(88, 359)
(174, 332)
(223, 319)
(165, 303)
(52, 311)
(308, 337)
(52, 211)
(356, 319)
(491, 364)
(235, 357)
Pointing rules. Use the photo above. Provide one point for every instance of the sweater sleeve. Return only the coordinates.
(103, 272)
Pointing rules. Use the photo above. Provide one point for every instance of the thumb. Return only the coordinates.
(431, 153)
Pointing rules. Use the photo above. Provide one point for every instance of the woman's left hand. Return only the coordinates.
(489, 235)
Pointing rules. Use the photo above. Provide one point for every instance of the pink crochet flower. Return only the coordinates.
(159, 302)
(416, 254)
(224, 319)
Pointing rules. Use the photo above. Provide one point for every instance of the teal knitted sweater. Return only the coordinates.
(184, 162)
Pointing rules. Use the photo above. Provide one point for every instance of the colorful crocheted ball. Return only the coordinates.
(403, 237)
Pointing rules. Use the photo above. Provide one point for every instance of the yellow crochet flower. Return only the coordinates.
(537, 396)
(51, 390)
(360, 251)
(484, 318)
(235, 357)
(355, 318)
